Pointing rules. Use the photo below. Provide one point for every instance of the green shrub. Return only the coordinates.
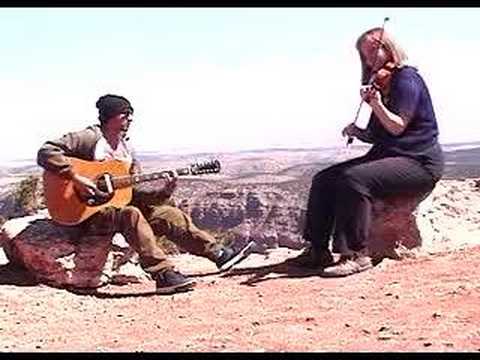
(26, 195)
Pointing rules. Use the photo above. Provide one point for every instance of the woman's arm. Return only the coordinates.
(406, 89)
(393, 123)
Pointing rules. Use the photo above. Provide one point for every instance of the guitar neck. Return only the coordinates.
(129, 180)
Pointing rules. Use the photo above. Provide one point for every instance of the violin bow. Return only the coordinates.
(350, 139)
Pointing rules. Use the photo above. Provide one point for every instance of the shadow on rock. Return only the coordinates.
(108, 295)
(12, 274)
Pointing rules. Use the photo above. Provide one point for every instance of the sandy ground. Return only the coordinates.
(426, 303)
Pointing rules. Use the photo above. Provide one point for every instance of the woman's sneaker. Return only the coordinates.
(228, 256)
(348, 265)
(171, 281)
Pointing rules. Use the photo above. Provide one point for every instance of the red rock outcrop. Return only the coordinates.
(394, 227)
(52, 255)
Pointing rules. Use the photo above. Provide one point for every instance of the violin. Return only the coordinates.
(381, 79)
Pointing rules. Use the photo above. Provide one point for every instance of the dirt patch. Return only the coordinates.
(426, 303)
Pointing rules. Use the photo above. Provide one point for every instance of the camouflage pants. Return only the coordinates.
(144, 233)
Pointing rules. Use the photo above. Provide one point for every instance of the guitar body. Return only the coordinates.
(63, 203)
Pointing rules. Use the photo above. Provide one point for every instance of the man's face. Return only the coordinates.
(120, 123)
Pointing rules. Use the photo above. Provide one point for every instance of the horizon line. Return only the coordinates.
(159, 152)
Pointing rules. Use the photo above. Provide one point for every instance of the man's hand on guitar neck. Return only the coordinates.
(85, 187)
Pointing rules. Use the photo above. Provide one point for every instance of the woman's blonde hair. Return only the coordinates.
(399, 57)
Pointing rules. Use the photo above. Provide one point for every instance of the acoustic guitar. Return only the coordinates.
(114, 183)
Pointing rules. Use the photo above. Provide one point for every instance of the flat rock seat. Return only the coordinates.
(53, 256)
(394, 229)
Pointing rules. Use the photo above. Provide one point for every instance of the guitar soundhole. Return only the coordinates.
(101, 184)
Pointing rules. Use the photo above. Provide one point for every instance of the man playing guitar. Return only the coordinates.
(105, 142)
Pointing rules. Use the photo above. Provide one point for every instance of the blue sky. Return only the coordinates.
(213, 79)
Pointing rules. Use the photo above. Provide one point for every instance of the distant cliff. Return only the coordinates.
(263, 192)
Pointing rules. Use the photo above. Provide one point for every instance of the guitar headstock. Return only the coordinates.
(208, 167)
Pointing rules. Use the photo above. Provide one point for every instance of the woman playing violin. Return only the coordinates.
(405, 157)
